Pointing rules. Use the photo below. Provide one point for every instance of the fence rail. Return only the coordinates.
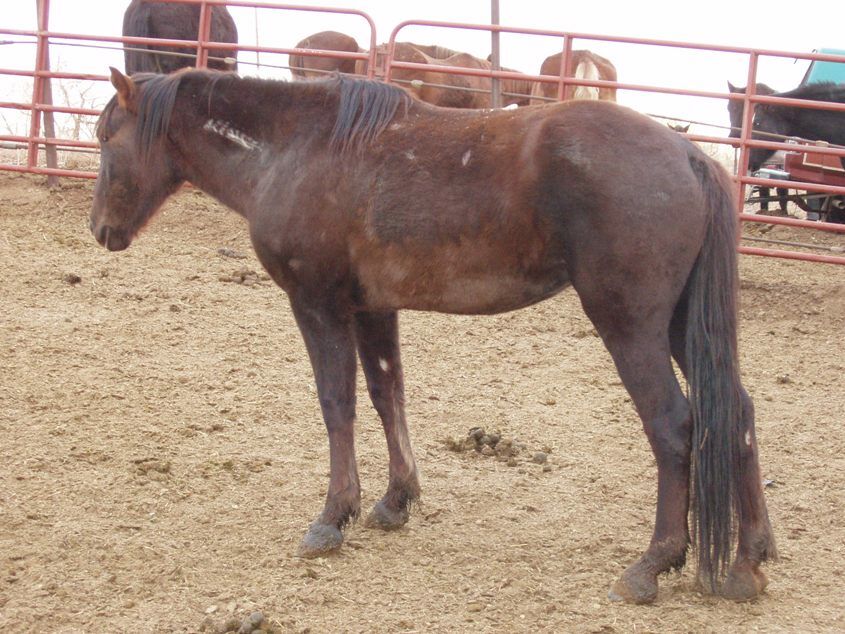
(41, 106)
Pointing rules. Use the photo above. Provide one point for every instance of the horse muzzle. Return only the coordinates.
(111, 238)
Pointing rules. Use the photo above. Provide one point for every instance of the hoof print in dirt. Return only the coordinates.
(494, 445)
(71, 278)
(246, 277)
(252, 623)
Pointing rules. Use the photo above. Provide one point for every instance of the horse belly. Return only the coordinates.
(453, 281)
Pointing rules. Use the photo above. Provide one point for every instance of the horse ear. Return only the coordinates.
(125, 89)
(732, 88)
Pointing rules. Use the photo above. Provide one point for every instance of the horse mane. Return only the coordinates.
(821, 91)
(365, 108)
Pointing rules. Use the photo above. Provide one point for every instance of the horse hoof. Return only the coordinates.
(634, 586)
(743, 584)
(386, 519)
(320, 540)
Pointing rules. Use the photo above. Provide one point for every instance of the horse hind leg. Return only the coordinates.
(745, 580)
(640, 348)
(755, 543)
(377, 336)
(647, 374)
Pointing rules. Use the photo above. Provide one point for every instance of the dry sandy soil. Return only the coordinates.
(161, 450)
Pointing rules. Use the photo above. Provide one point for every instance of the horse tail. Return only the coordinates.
(136, 23)
(713, 375)
(586, 69)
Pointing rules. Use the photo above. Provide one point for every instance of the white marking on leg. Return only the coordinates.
(748, 438)
(465, 158)
(383, 364)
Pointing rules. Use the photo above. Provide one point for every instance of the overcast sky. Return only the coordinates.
(799, 27)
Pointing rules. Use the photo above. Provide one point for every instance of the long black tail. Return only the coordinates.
(713, 376)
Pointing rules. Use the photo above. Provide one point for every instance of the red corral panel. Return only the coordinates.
(821, 170)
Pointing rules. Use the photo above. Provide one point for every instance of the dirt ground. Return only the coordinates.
(161, 450)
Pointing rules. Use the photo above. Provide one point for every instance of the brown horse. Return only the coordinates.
(587, 65)
(361, 202)
(312, 67)
(446, 89)
(175, 22)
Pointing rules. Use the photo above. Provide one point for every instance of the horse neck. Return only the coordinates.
(232, 138)
(826, 125)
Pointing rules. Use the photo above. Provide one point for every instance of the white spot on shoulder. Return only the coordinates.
(410, 155)
(229, 132)
(383, 364)
(465, 158)
(748, 438)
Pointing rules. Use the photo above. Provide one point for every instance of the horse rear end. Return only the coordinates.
(175, 22)
(585, 65)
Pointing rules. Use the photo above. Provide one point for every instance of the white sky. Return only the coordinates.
(773, 24)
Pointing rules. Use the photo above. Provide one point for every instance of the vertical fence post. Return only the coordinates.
(745, 131)
(204, 35)
(565, 71)
(38, 80)
(496, 84)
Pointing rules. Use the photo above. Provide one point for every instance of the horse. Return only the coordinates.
(735, 110)
(175, 22)
(796, 121)
(311, 67)
(362, 202)
(587, 65)
(445, 89)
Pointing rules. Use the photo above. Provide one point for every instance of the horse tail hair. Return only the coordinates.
(586, 70)
(715, 391)
(136, 23)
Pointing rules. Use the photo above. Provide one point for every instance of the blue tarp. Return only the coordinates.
(826, 71)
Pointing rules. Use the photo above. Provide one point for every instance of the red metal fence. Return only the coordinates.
(41, 103)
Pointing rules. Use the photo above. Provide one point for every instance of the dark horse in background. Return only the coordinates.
(807, 123)
(735, 110)
(361, 202)
(175, 22)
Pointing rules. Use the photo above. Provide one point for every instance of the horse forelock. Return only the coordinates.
(156, 99)
(365, 109)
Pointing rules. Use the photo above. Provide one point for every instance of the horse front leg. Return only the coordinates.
(330, 341)
(377, 335)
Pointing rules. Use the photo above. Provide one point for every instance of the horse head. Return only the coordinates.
(771, 123)
(136, 173)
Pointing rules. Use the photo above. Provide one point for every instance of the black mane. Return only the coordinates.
(364, 111)
(365, 108)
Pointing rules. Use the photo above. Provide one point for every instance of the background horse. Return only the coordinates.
(362, 202)
(311, 67)
(735, 110)
(587, 65)
(450, 90)
(807, 123)
(175, 22)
